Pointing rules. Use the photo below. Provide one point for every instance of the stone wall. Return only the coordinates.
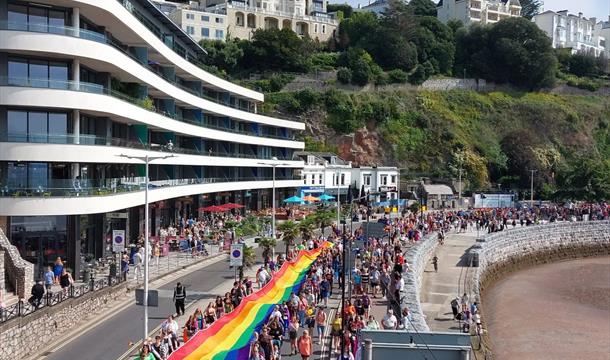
(503, 252)
(417, 257)
(2, 279)
(24, 336)
(19, 272)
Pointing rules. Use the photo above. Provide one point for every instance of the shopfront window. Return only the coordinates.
(40, 239)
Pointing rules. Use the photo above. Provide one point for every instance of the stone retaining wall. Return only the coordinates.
(27, 335)
(18, 271)
(505, 252)
(417, 257)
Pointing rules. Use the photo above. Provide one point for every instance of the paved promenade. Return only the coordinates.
(453, 276)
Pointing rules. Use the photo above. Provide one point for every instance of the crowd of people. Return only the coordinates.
(376, 271)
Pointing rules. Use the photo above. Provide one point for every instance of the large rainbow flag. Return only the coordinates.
(229, 336)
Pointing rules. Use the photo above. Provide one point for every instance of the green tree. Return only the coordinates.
(307, 227)
(290, 232)
(344, 75)
(345, 8)
(530, 8)
(226, 55)
(267, 244)
(423, 7)
(583, 65)
(324, 219)
(249, 256)
(275, 49)
(585, 178)
(357, 29)
(435, 43)
(511, 51)
(418, 76)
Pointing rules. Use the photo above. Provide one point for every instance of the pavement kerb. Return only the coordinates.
(95, 320)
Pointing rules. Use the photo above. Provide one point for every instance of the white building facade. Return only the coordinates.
(571, 31)
(83, 82)
(201, 25)
(325, 173)
(477, 11)
(382, 183)
(241, 18)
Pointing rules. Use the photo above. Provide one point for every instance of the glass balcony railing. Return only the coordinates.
(101, 38)
(85, 139)
(99, 89)
(114, 186)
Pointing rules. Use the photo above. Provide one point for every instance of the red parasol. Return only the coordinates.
(229, 206)
(212, 208)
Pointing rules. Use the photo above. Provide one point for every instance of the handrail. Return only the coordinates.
(102, 38)
(114, 186)
(101, 90)
(94, 140)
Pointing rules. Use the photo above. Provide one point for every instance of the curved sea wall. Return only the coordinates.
(417, 256)
(504, 252)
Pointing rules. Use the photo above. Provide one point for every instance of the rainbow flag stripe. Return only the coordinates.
(229, 336)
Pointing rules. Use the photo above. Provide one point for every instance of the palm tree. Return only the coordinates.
(324, 219)
(290, 231)
(267, 243)
(307, 227)
(249, 256)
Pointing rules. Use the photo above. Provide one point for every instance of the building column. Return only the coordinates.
(75, 74)
(76, 21)
(76, 126)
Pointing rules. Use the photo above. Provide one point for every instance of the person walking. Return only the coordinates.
(58, 268)
(138, 258)
(179, 297)
(49, 278)
(435, 263)
(320, 324)
(305, 345)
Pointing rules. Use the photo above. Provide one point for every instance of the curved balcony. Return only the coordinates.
(64, 197)
(96, 98)
(98, 149)
(68, 40)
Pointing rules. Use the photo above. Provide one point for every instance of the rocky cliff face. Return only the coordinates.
(365, 147)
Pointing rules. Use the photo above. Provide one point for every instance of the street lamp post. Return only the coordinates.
(532, 189)
(273, 165)
(146, 159)
(338, 198)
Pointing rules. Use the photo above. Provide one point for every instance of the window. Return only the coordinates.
(323, 29)
(205, 18)
(320, 179)
(366, 179)
(393, 179)
(384, 180)
(220, 34)
(315, 28)
(190, 16)
(190, 30)
(205, 32)
(219, 20)
(35, 126)
(342, 179)
(310, 159)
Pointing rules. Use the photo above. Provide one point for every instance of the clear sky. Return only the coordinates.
(590, 8)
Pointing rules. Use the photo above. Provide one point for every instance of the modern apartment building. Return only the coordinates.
(327, 173)
(571, 31)
(87, 85)
(477, 11)
(242, 18)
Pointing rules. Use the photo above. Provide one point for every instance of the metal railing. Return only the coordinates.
(113, 186)
(102, 38)
(101, 90)
(94, 140)
(52, 298)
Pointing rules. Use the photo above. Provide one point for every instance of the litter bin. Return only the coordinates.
(474, 259)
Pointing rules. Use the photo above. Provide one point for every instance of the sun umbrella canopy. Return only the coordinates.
(293, 199)
(212, 208)
(229, 206)
(310, 198)
(325, 197)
